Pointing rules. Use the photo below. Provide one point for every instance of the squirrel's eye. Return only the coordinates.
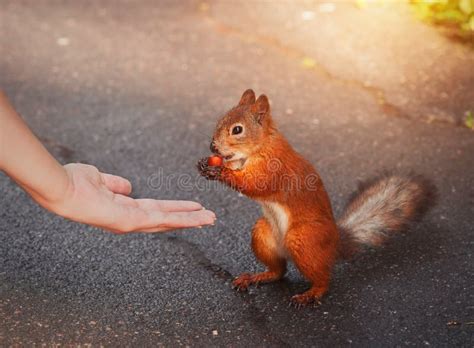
(237, 130)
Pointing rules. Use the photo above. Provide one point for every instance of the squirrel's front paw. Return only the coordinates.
(207, 171)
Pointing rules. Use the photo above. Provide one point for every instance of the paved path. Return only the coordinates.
(135, 88)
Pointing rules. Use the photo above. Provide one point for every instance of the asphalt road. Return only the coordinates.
(135, 89)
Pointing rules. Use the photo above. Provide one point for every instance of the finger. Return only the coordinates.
(169, 206)
(163, 221)
(130, 218)
(184, 219)
(125, 200)
(166, 229)
(160, 229)
(117, 184)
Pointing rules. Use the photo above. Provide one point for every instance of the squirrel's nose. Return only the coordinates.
(213, 147)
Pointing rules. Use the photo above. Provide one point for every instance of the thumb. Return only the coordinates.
(117, 184)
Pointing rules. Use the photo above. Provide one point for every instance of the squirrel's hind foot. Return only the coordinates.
(311, 296)
(242, 282)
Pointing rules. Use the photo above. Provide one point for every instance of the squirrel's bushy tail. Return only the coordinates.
(382, 206)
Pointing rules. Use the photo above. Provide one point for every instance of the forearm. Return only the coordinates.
(81, 192)
(25, 159)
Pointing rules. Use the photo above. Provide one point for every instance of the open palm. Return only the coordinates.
(102, 200)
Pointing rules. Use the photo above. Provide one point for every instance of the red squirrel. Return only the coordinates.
(298, 222)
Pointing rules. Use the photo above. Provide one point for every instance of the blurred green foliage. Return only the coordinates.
(469, 121)
(456, 14)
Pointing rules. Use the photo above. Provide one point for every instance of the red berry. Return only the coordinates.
(214, 161)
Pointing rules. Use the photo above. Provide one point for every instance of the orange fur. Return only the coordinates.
(311, 239)
(298, 222)
(264, 248)
(312, 236)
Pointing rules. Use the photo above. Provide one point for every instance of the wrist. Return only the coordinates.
(55, 197)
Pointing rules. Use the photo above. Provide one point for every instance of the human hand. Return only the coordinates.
(102, 200)
(80, 192)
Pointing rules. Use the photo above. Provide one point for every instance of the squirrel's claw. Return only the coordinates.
(302, 300)
(207, 171)
(242, 282)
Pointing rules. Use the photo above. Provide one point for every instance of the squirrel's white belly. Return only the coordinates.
(278, 219)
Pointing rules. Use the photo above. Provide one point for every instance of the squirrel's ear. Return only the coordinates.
(247, 98)
(261, 107)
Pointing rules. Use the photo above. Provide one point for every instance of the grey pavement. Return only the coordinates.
(136, 87)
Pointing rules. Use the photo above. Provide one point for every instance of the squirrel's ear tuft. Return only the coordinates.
(247, 98)
(261, 107)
